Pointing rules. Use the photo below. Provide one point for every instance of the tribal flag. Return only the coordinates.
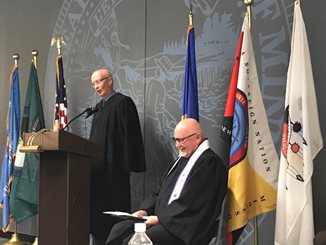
(253, 162)
(190, 90)
(301, 141)
(60, 111)
(225, 140)
(12, 125)
(24, 193)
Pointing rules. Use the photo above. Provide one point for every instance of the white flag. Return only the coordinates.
(253, 161)
(301, 141)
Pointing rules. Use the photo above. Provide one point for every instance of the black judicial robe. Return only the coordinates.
(191, 217)
(116, 128)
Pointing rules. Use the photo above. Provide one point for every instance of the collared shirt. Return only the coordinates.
(104, 100)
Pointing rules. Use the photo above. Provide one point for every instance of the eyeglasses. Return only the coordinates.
(181, 140)
(99, 81)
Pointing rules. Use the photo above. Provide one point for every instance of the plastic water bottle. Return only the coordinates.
(140, 237)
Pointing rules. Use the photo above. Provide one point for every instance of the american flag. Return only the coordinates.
(60, 110)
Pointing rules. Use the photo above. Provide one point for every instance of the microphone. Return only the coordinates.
(90, 111)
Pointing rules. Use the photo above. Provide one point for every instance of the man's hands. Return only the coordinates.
(140, 213)
(150, 220)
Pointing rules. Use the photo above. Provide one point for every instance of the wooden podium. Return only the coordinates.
(64, 186)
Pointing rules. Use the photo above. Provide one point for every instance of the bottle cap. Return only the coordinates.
(140, 227)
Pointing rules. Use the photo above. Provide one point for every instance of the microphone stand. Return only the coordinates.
(79, 115)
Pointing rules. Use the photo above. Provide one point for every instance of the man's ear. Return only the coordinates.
(110, 81)
(199, 137)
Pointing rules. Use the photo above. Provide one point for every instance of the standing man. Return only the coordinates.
(116, 128)
(185, 207)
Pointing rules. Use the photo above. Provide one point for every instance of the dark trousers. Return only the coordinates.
(98, 240)
(122, 232)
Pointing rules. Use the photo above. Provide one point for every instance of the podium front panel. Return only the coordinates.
(64, 194)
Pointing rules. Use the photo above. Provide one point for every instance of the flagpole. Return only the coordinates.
(14, 240)
(59, 41)
(248, 4)
(190, 16)
(34, 60)
(16, 58)
(35, 54)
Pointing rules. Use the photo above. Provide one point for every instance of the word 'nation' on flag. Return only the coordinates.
(253, 162)
(190, 90)
(301, 142)
(60, 111)
(24, 191)
(12, 125)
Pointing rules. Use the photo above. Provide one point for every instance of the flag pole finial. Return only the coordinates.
(59, 41)
(190, 15)
(249, 3)
(35, 54)
(298, 2)
(16, 58)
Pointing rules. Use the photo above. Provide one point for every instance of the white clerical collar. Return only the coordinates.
(185, 172)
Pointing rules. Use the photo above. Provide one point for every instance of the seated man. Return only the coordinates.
(185, 207)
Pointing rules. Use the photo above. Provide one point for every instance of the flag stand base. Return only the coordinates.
(14, 240)
(35, 241)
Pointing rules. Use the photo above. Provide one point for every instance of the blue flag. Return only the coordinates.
(13, 121)
(24, 188)
(190, 90)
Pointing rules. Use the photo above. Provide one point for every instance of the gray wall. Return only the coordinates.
(143, 43)
(24, 26)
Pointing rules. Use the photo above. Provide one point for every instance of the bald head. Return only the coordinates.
(188, 125)
(188, 136)
(102, 72)
(102, 82)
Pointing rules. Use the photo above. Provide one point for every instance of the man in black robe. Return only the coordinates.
(116, 128)
(185, 208)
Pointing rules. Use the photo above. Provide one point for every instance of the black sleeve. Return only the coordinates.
(192, 216)
(133, 148)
